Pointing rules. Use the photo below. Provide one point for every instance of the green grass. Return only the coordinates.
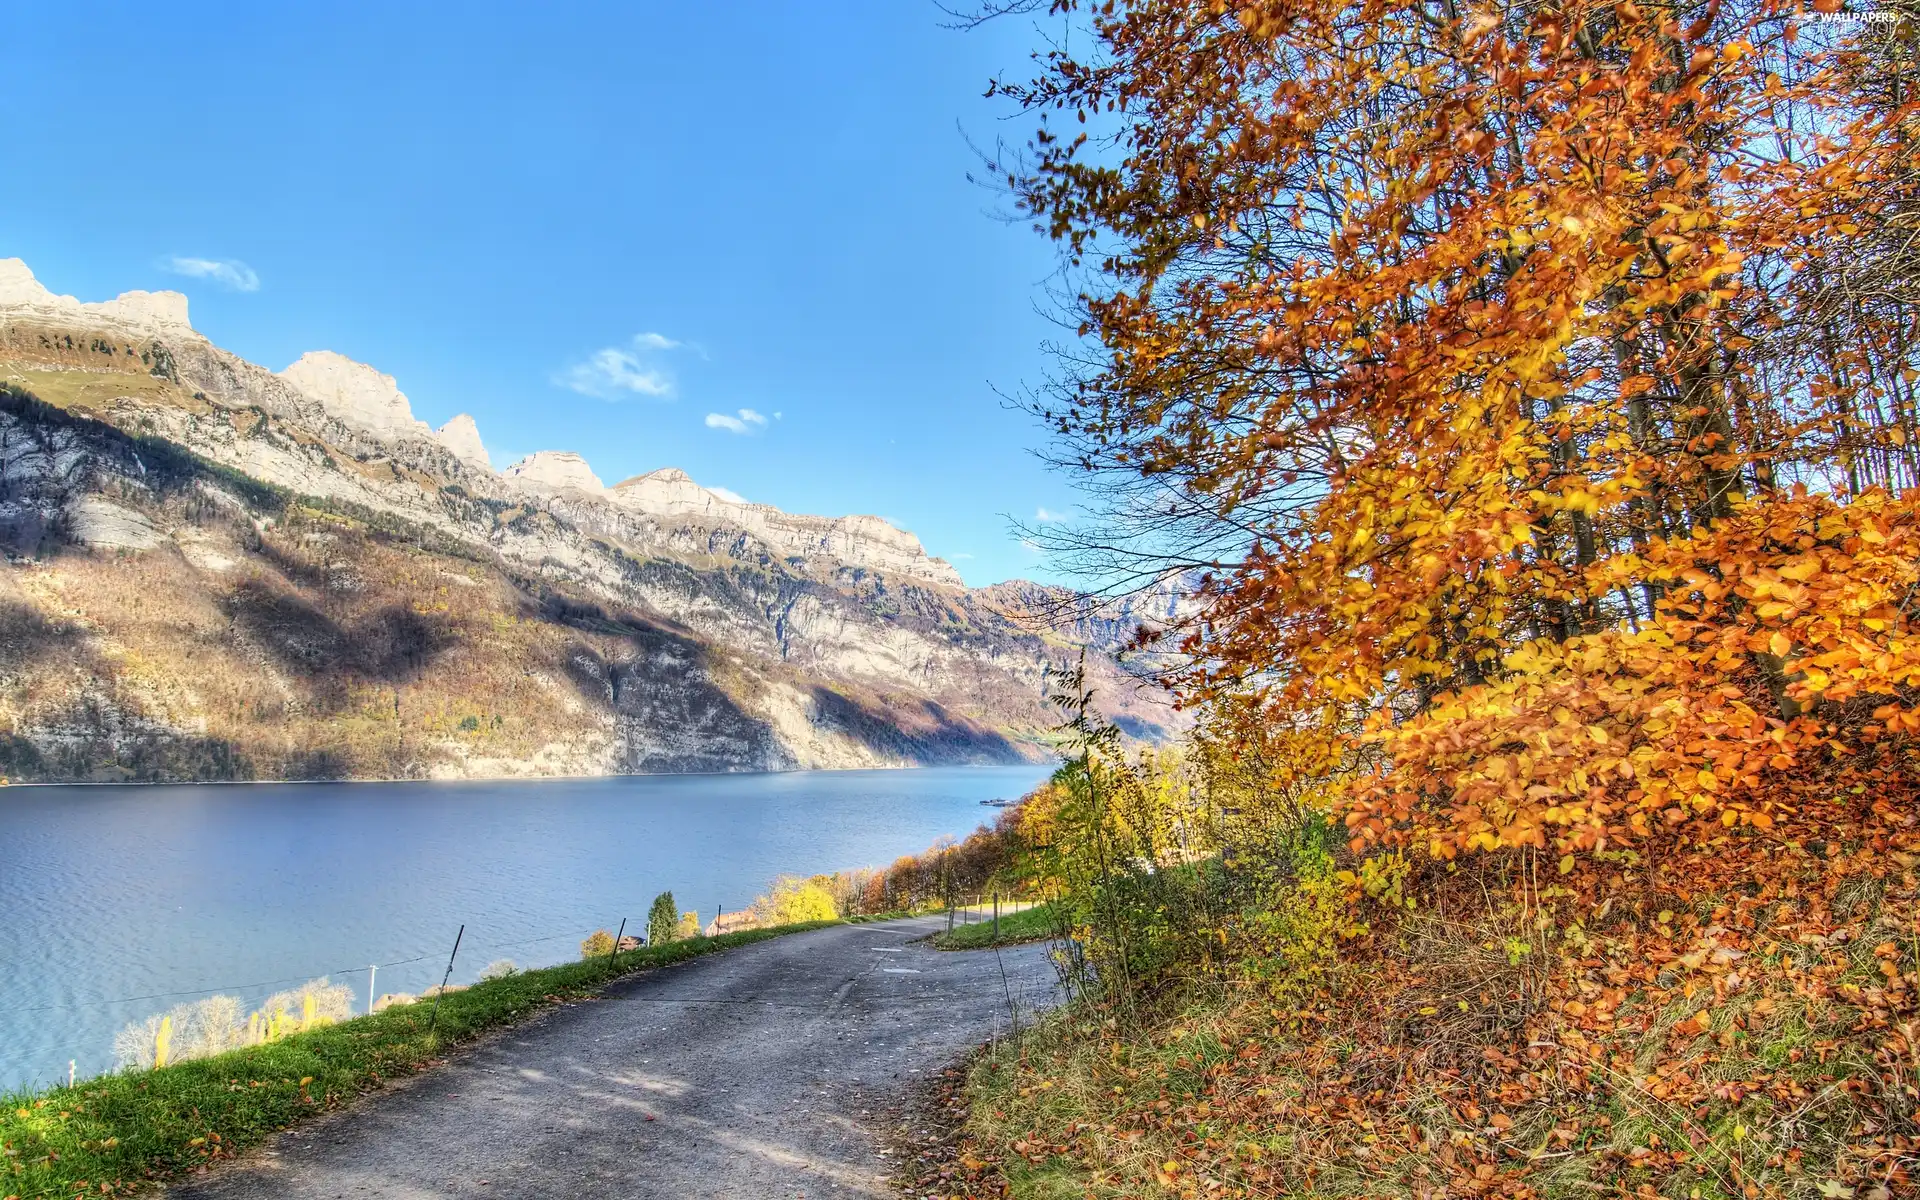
(110, 1135)
(1028, 925)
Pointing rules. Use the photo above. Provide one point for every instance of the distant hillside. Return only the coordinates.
(218, 572)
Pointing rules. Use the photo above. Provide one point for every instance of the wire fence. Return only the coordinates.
(87, 1048)
(468, 956)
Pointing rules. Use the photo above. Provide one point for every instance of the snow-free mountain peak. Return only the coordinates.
(355, 393)
(555, 471)
(462, 436)
(144, 313)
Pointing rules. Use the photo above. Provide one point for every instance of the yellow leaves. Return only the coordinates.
(1569, 499)
(1613, 736)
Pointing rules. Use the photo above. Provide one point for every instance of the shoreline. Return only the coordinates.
(462, 779)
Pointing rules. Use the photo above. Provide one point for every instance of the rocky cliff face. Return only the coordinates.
(556, 472)
(140, 313)
(462, 436)
(216, 571)
(355, 393)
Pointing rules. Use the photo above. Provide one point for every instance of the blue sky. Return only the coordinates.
(591, 226)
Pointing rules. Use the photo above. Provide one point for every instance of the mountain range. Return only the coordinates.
(217, 571)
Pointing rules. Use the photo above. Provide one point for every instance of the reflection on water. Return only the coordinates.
(112, 896)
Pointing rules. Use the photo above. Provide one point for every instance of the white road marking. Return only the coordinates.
(898, 971)
(885, 949)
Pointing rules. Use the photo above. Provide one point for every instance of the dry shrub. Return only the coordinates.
(214, 1025)
(1759, 1042)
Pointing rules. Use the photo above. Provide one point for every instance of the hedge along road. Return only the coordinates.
(769, 1070)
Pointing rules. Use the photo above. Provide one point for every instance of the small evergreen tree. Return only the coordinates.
(661, 919)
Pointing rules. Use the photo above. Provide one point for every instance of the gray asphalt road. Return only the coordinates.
(759, 1072)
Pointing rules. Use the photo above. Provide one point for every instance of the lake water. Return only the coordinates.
(113, 898)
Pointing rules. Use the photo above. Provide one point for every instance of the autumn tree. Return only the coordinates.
(1533, 388)
(598, 944)
(1519, 378)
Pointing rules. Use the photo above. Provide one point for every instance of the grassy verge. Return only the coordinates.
(1027, 925)
(110, 1135)
(1754, 1042)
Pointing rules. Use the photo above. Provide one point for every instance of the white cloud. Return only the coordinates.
(747, 421)
(618, 371)
(1031, 546)
(729, 495)
(229, 273)
(963, 556)
(1046, 515)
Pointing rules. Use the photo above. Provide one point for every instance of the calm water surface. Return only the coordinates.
(110, 896)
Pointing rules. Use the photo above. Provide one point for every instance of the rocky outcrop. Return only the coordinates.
(143, 314)
(462, 436)
(867, 542)
(355, 393)
(104, 525)
(669, 492)
(556, 471)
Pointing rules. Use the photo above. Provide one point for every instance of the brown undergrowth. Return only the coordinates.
(1758, 1039)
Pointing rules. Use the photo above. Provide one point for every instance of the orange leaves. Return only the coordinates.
(1771, 622)
(1726, 1010)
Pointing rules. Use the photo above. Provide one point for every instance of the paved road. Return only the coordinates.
(764, 1071)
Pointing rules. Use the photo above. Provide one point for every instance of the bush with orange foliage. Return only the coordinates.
(1778, 680)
